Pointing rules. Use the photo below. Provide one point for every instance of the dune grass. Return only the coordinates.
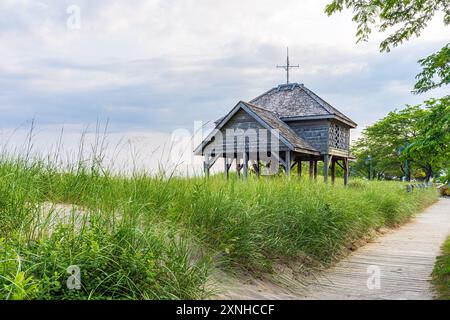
(149, 237)
(441, 272)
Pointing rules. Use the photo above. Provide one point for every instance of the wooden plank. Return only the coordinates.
(293, 164)
(338, 152)
(340, 165)
(213, 160)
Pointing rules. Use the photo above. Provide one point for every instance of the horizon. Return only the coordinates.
(149, 68)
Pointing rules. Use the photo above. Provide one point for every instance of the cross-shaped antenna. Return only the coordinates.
(288, 66)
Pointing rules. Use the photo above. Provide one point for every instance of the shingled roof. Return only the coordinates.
(291, 101)
(275, 123)
(267, 119)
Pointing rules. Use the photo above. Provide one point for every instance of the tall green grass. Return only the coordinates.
(441, 272)
(149, 237)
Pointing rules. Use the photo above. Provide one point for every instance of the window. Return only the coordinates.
(339, 137)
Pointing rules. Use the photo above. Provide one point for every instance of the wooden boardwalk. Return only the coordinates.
(397, 265)
(404, 259)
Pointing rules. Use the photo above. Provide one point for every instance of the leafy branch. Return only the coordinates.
(410, 17)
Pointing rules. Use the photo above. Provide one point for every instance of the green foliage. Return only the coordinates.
(119, 256)
(441, 272)
(417, 134)
(15, 284)
(434, 137)
(120, 264)
(384, 140)
(409, 18)
(436, 71)
(445, 177)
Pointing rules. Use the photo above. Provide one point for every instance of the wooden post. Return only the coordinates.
(288, 163)
(245, 165)
(226, 167)
(315, 170)
(345, 171)
(238, 167)
(333, 170)
(299, 168)
(326, 165)
(258, 165)
(206, 166)
(311, 169)
(257, 169)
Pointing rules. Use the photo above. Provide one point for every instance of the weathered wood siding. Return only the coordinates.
(245, 128)
(314, 132)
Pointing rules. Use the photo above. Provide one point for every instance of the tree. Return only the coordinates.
(433, 142)
(410, 17)
(385, 142)
(416, 138)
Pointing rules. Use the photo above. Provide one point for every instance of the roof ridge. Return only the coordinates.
(335, 112)
(278, 88)
(316, 98)
(295, 100)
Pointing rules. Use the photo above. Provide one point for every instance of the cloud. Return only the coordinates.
(159, 65)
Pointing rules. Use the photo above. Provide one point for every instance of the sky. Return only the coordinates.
(148, 68)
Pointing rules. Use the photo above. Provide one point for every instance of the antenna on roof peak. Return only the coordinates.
(288, 66)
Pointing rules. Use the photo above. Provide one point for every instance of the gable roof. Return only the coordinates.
(268, 120)
(276, 123)
(295, 101)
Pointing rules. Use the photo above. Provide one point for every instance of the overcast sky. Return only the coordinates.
(153, 66)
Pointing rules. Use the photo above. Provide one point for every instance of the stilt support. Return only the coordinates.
(288, 163)
(315, 170)
(245, 165)
(346, 171)
(333, 170)
(299, 168)
(326, 166)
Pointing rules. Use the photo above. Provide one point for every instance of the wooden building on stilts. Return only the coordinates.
(288, 125)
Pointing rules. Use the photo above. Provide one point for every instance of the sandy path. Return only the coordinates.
(396, 265)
